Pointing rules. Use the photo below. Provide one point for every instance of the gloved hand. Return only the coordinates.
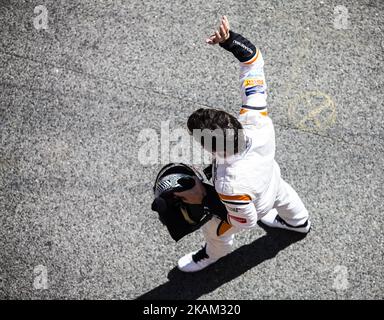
(194, 195)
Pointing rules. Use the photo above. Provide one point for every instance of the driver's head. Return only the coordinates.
(217, 131)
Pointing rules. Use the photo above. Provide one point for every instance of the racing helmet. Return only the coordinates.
(180, 218)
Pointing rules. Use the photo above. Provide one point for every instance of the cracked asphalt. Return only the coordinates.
(75, 195)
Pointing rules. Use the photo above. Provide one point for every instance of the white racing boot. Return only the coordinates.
(195, 261)
(273, 220)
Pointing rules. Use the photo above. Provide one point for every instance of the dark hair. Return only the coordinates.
(214, 120)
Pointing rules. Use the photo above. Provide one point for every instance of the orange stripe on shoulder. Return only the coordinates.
(242, 197)
(242, 111)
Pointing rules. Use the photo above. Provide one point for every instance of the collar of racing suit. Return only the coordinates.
(222, 159)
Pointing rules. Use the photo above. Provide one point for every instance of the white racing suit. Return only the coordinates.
(249, 183)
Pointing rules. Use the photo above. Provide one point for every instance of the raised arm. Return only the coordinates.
(241, 210)
(252, 79)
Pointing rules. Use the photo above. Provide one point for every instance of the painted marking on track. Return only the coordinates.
(312, 111)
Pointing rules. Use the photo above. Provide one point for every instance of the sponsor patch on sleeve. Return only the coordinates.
(238, 219)
(253, 82)
(253, 90)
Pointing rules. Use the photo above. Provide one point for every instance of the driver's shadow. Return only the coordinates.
(191, 286)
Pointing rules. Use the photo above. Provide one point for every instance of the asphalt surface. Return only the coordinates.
(75, 195)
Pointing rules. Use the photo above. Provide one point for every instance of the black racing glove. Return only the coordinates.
(241, 47)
